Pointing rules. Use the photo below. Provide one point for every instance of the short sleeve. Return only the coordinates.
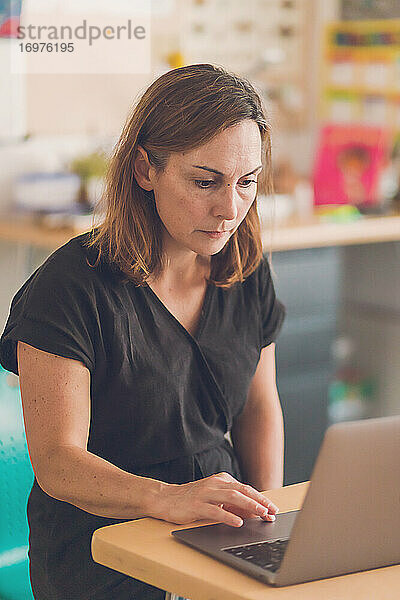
(272, 311)
(53, 312)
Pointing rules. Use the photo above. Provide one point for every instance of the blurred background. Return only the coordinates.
(329, 72)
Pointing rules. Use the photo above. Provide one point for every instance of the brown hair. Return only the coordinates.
(181, 110)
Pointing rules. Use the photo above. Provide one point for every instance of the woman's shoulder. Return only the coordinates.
(74, 254)
(55, 309)
(69, 276)
(74, 262)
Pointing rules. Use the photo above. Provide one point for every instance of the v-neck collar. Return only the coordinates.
(203, 314)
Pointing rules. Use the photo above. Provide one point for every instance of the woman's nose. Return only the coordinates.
(225, 207)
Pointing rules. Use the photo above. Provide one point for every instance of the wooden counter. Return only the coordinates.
(291, 235)
(296, 234)
(26, 230)
(145, 549)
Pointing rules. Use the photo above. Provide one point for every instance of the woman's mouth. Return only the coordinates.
(215, 234)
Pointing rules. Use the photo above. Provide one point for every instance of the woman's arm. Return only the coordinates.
(56, 403)
(258, 432)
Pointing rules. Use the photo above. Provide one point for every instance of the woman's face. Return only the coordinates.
(208, 189)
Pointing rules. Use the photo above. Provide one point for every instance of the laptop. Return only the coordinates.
(349, 522)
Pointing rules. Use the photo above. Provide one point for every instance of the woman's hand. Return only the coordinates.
(219, 498)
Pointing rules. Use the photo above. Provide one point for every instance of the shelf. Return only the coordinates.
(292, 235)
(313, 233)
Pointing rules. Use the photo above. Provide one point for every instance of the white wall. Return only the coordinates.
(12, 97)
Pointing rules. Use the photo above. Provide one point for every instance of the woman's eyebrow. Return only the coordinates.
(219, 172)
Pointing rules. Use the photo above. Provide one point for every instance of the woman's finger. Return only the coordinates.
(242, 503)
(231, 483)
(259, 497)
(244, 514)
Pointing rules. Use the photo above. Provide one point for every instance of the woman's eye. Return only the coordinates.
(204, 183)
(247, 182)
(207, 183)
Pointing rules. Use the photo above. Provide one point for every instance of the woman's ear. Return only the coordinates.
(141, 168)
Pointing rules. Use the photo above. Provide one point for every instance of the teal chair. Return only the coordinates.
(16, 478)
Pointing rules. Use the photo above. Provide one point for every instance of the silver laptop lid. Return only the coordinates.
(350, 520)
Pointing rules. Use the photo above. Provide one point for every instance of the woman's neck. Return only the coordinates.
(183, 268)
(178, 276)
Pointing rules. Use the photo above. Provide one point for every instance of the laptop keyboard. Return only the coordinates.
(267, 555)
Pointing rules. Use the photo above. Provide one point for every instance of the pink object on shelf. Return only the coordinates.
(349, 161)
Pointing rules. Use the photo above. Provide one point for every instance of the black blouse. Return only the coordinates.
(150, 379)
(158, 393)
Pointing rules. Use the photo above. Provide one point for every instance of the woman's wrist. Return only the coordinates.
(152, 498)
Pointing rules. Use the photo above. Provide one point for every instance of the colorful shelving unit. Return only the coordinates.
(361, 73)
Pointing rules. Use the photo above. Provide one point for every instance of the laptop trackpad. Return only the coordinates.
(220, 535)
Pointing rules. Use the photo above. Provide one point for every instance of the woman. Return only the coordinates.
(143, 343)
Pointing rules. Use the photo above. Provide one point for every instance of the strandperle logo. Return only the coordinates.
(83, 36)
(84, 31)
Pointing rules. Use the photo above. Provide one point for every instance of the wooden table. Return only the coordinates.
(145, 550)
